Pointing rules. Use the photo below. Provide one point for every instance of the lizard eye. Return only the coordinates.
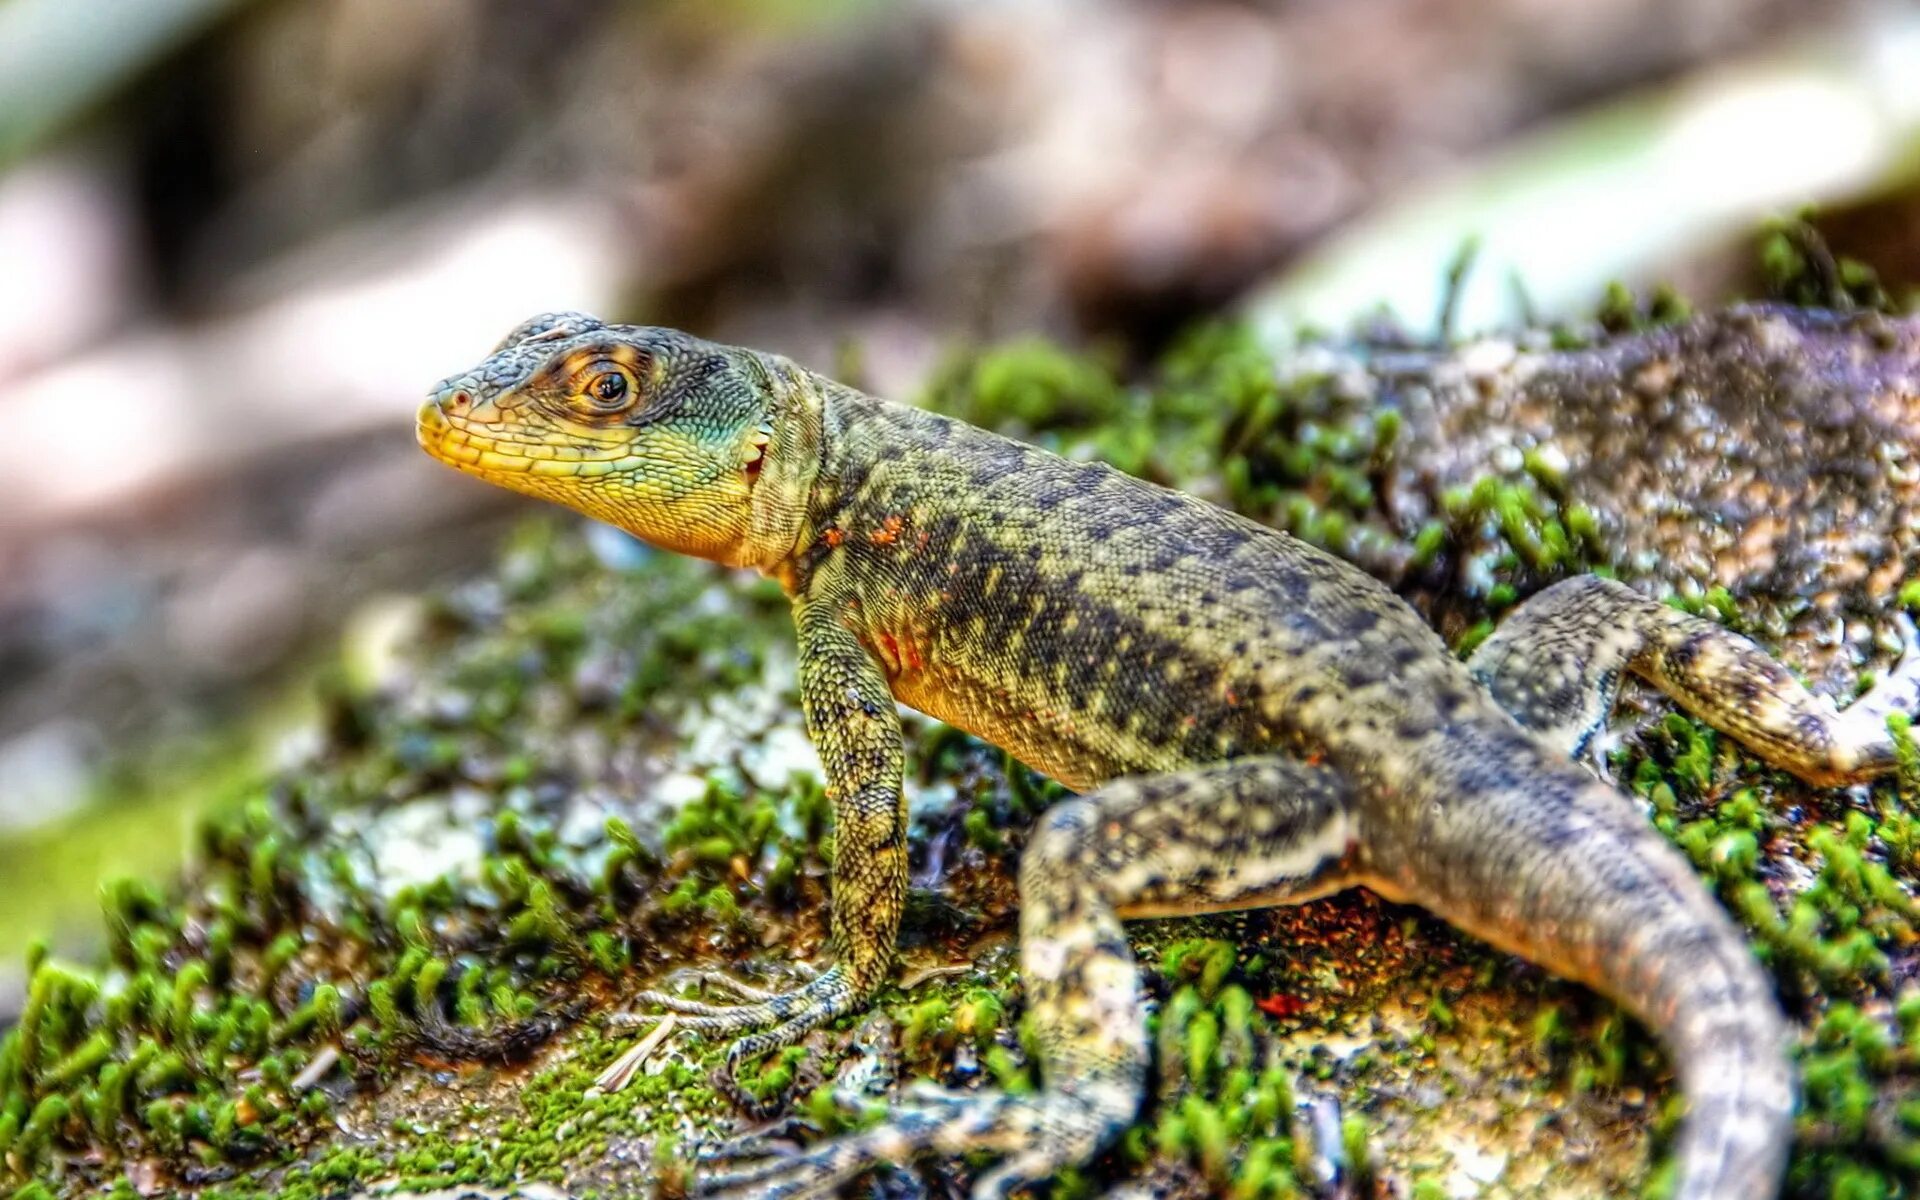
(610, 387)
(608, 391)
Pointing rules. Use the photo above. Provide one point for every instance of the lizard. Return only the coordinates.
(1246, 720)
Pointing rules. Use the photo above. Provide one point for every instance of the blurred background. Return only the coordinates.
(238, 240)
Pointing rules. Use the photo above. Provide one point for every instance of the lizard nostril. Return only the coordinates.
(460, 401)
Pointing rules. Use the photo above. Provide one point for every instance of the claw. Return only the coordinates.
(622, 1070)
(717, 981)
(815, 1003)
(698, 1010)
(782, 1019)
(774, 1140)
(1042, 1133)
(818, 1171)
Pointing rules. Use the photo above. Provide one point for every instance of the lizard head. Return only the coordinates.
(695, 447)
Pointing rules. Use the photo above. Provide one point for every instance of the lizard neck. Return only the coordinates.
(778, 521)
(864, 463)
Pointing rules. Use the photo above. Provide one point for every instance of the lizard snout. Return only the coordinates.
(456, 398)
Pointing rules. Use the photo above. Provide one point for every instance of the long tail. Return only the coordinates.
(1548, 862)
(1695, 982)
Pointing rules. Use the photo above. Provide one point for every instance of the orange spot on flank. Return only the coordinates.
(899, 652)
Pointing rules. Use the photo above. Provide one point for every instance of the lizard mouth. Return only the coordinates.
(488, 450)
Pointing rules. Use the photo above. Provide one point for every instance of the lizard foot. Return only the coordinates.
(1038, 1135)
(714, 981)
(783, 1016)
(771, 1022)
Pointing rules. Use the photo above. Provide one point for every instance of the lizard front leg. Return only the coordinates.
(1555, 665)
(1246, 833)
(856, 729)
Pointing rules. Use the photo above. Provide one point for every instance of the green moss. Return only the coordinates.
(1031, 384)
(980, 831)
(1832, 939)
(1798, 267)
(774, 1076)
(1207, 961)
(1621, 311)
(1358, 1154)
(1008, 1073)
(224, 991)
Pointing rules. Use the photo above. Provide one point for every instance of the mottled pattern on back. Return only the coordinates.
(1110, 625)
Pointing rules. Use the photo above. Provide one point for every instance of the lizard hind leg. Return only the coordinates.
(1555, 666)
(1241, 834)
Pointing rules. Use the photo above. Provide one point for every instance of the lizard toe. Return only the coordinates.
(812, 1004)
(1042, 1134)
(773, 1023)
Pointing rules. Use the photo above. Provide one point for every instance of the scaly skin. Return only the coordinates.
(1253, 722)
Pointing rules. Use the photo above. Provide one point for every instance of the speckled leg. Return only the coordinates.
(852, 720)
(1555, 664)
(1246, 833)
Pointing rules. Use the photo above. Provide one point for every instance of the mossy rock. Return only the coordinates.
(392, 964)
